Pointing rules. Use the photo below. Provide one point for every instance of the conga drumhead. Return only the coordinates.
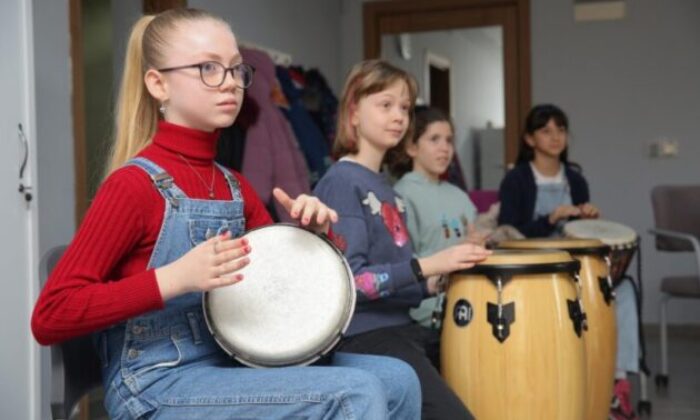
(295, 301)
(515, 258)
(610, 233)
(573, 246)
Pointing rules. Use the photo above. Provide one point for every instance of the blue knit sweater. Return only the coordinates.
(373, 236)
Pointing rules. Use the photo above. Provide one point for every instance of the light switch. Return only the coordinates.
(664, 148)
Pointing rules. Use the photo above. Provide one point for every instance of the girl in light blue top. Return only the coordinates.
(438, 213)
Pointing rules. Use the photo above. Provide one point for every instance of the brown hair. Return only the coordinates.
(136, 110)
(366, 78)
(400, 162)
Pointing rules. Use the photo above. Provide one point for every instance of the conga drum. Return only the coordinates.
(623, 242)
(512, 344)
(598, 298)
(293, 305)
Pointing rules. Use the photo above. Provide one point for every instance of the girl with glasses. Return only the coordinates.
(135, 272)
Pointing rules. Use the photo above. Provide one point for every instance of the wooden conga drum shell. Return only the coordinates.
(537, 371)
(601, 337)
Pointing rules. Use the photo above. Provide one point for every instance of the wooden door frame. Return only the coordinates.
(78, 109)
(78, 95)
(398, 16)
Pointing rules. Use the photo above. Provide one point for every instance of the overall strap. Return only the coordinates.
(161, 179)
(232, 181)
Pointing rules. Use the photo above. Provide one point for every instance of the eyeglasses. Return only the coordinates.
(213, 73)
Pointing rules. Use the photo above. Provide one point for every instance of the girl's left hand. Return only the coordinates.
(476, 237)
(308, 210)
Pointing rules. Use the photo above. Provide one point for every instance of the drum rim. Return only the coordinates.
(507, 270)
(602, 250)
(327, 345)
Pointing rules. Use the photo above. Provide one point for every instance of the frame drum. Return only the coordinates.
(511, 338)
(294, 303)
(598, 298)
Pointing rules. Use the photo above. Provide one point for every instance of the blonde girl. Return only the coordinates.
(165, 226)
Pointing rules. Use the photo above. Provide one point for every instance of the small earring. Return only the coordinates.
(162, 109)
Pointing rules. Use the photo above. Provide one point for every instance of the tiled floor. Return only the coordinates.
(681, 401)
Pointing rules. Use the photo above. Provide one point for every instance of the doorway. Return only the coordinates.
(504, 23)
(438, 85)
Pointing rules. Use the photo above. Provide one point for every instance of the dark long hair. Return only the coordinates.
(400, 162)
(537, 118)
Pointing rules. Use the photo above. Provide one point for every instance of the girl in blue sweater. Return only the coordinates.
(375, 116)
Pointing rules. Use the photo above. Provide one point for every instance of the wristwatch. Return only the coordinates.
(415, 266)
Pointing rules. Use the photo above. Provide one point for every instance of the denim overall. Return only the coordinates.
(549, 197)
(165, 364)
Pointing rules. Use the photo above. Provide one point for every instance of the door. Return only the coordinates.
(440, 88)
(18, 353)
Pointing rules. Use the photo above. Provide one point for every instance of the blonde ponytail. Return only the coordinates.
(137, 110)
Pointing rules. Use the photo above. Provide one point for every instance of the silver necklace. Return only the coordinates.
(209, 187)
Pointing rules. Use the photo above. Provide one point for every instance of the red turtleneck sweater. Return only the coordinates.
(102, 277)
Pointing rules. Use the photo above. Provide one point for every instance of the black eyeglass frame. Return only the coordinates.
(223, 78)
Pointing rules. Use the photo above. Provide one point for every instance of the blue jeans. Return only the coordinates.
(627, 328)
(355, 387)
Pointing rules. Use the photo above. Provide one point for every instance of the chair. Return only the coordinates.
(677, 229)
(483, 199)
(75, 367)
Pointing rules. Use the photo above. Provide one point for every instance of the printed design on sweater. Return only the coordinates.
(391, 216)
(371, 284)
(340, 242)
(450, 226)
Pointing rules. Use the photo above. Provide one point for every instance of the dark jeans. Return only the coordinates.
(419, 347)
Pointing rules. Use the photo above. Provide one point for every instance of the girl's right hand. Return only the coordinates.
(563, 213)
(454, 258)
(209, 265)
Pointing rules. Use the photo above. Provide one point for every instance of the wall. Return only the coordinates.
(54, 146)
(54, 138)
(624, 84)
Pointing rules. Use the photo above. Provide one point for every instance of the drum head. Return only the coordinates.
(571, 245)
(295, 301)
(610, 233)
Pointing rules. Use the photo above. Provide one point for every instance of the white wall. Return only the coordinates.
(624, 84)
